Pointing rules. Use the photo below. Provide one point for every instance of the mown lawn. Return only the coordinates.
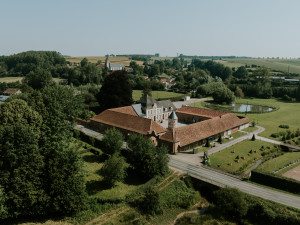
(287, 114)
(276, 163)
(137, 94)
(241, 159)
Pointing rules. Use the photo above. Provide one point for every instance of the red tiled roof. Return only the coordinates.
(204, 129)
(10, 91)
(126, 109)
(128, 122)
(200, 112)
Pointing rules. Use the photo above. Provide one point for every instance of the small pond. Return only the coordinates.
(238, 107)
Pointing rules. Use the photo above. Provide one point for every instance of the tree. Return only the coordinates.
(65, 179)
(146, 159)
(253, 137)
(147, 88)
(298, 93)
(149, 202)
(18, 111)
(112, 141)
(38, 79)
(3, 208)
(84, 62)
(239, 92)
(230, 202)
(223, 95)
(241, 73)
(115, 91)
(21, 172)
(114, 170)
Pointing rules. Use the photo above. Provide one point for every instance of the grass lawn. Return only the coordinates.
(228, 161)
(288, 168)
(137, 94)
(288, 114)
(276, 163)
(93, 164)
(10, 79)
(250, 129)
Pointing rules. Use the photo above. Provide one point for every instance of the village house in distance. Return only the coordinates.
(177, 129)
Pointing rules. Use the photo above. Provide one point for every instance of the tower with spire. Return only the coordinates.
(172, 121)
(107, 63)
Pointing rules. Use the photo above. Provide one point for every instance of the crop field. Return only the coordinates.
(239, 157)
(93, 59)
(137, 94)
(284, 65)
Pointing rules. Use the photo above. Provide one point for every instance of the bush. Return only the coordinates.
(284, 126)
(149, 202)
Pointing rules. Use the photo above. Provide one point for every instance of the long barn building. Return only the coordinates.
(177, 129)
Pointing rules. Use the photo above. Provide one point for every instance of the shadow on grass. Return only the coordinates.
(134, 178)
(94, 186)
(95, 158)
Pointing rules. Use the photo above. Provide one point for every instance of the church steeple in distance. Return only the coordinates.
(107, 62)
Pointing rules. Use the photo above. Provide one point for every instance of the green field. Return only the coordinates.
(241, 159)
(276, 163)
(287, 113)
(137, 94)
(284, 65)
(10, 79)
(14, 79)
(94, 59)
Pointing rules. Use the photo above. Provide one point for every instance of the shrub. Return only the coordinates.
(284, 126)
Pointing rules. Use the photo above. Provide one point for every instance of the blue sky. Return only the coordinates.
(265, 28)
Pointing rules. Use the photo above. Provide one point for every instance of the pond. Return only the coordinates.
(238, 107)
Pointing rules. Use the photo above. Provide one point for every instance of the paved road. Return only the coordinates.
(223, 180)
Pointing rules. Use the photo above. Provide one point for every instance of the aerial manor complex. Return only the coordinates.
(177, 129)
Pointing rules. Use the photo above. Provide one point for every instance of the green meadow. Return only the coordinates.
(137, 94)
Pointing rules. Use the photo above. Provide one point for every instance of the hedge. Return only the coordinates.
(275, 181)
(88, 139)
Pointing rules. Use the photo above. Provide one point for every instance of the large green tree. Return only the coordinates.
(22, 171)
(38, 79)
(112, 141)
(114, 170)
(223, 95)
(146, 159)
(18, 111)
(60, 170)
(116, 91)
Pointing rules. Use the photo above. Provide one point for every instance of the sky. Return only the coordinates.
(256, 28)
